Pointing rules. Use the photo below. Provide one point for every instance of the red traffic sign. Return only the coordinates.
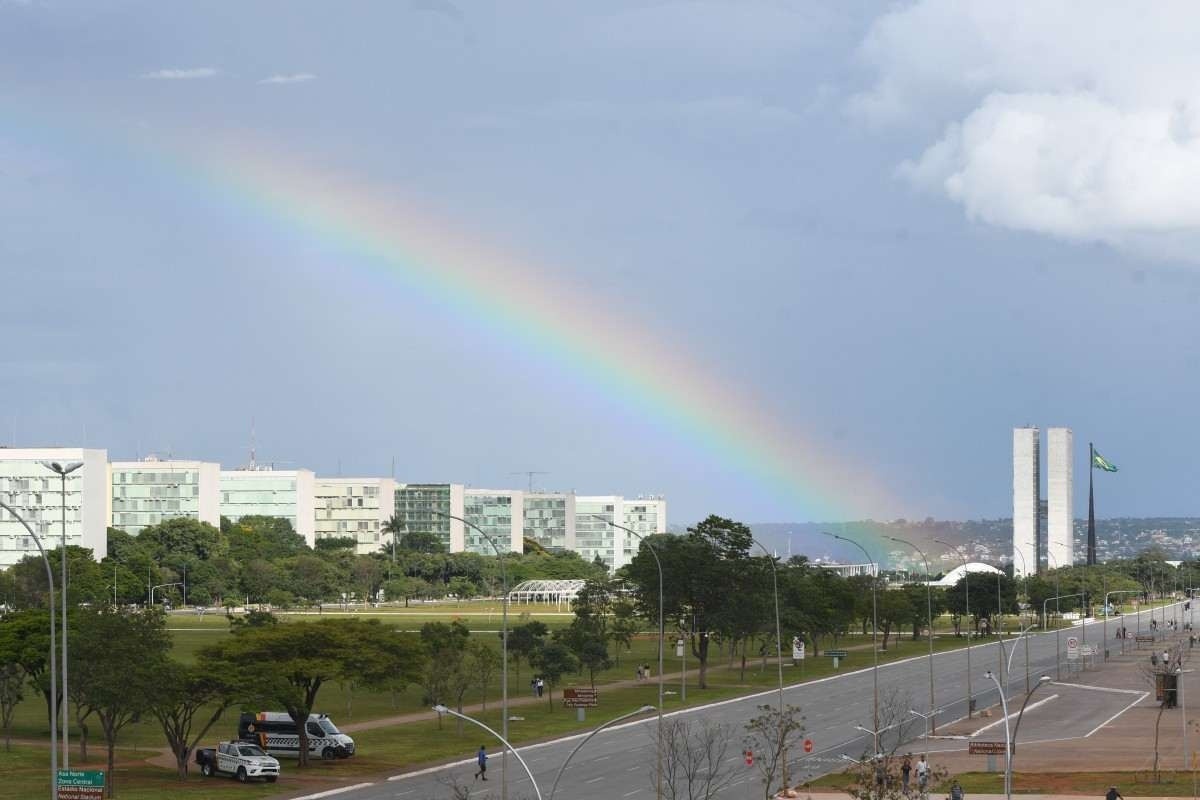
(749, 759)
(808, 745)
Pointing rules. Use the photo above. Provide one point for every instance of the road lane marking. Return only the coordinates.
(593, 780)
(1139, 699)
(332, 792)
(631, 794)
(1098, 688)
(1002, 720)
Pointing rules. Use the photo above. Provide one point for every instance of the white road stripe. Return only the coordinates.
(1028, 708)
(1140, 698)
(332, 792)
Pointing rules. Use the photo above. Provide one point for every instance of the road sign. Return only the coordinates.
(808, 745)
(76, 784)
(1141, 640)
(1087, 650)
(1072, 647)
(580, 698)
(749, 758)
(986, 748)
(797, 648)
(836, 653)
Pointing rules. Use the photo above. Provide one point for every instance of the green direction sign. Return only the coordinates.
(836, 653)
(80, 785)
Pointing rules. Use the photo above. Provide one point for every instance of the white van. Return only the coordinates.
(275, 732)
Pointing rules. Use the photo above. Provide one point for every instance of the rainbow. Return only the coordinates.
(617, 355)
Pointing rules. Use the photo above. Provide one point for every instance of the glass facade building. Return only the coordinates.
(550, 520)
(145, 493)
(285, 494)
(423, 507)
(593, 535)
(500, 514)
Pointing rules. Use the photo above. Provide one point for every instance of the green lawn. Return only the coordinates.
(1094, 784)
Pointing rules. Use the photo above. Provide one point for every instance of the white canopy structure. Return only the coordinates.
(546, 591)
(952, 577)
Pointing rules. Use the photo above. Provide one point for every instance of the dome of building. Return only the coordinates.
(952, 577)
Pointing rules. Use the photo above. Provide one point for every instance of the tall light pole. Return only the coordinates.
(779, 653)
(661, 635)
(503, 660)
(53, 663)
(1183, 711)
(1020, 618)
(608, 724)
(63, 470)
(1007, 736)
(1042, 681)
(503, 739)
(967, 603)
(874, 637)
(931, 724)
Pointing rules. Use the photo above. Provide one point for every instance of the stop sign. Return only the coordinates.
(808, 745)
(749, 759)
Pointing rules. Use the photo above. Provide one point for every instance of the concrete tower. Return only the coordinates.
(1060, 534)
(1026, 500)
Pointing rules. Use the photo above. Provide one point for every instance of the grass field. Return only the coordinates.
(1093, 784)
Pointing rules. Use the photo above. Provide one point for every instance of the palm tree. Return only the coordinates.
(395, 526)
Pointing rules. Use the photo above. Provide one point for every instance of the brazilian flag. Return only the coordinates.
(1100, 462)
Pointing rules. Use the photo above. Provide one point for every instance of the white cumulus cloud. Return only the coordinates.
(1079, 120)
(297, 77)
(181, 74)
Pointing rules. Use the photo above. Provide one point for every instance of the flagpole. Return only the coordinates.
(1091, 545)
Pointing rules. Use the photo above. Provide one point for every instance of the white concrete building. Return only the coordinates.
(645, 515)
(1026, 500)
(357, 508)
(284, 493)
(594, 536)
(35, 493)
(146, 492)
(1060, 505)
(549, 519)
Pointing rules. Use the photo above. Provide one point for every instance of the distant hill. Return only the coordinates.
(984, 540)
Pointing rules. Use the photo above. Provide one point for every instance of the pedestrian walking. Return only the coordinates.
(1113, 794)
(880, 777)
(541, 686)
(922, 775)
(481, 760)
(533, 686)
(905, 770)
(640, 674)
(956, 791)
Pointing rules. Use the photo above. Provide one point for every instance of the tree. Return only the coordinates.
(266, 538)
(119, 657)
(182, 693)
(919, 602)
(483, 662)
(182, 539)
(697, 570)
(25, 639)
(623, 628)
(523, 641)
(894, 610)
(770, 737)
(695, 766)
(552, 661)
(303, 657)
(444, 676)
(335, 543)
(12, 681)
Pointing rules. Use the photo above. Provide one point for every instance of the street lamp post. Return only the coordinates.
(1042, 681)
(608, 724)
(503, 661)
(930, 722)
(1183, 710)
(967, 603)
(1106, 596)
(63, 470)
(661, 636)
(160, 586)
(503, 740)
(779, 653)
(53, 663)
(874, 637)
(1020, 618)
(1007, 736)
(1057, 646)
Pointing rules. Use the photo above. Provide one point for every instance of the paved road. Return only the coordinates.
(619, 763)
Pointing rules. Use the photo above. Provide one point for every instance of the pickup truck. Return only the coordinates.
(242, 760)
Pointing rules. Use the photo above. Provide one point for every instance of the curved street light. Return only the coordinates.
(441, 709)
(1057, 645)
(53, 666)
(63, 470)
(503, 661)
(608, 724)
(779, 662)
(874, 637)
(930, 723)
(1007, 735)
(661, 635)
(967, 603)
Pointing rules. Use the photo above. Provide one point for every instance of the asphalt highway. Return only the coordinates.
(620, 762)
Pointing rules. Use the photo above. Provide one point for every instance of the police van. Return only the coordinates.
(275, 732)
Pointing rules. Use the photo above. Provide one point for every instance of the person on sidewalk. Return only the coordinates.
(956, 791)
(922, 774)
(905, 771)
(1113, 794)
(481, 760)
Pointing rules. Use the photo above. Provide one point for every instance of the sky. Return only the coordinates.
(779, 261)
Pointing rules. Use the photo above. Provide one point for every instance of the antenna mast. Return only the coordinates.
(529, 473)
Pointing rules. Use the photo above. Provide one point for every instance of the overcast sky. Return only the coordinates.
(899, 228)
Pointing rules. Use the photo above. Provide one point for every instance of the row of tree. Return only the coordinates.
(263, 560)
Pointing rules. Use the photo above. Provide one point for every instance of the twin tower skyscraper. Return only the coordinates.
(1035, 546)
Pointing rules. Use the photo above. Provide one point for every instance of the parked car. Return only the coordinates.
(242, 760)
(275, 732)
